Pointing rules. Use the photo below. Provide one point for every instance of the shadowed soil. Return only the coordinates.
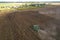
(18, 26)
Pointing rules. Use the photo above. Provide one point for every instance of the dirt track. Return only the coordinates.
(17, 26)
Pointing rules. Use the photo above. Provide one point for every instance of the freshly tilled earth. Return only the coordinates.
(18, 26)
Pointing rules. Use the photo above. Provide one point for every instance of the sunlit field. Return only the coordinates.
(7, 7)
(12, 6)
(4, 5)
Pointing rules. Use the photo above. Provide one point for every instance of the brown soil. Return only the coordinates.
(17, 25)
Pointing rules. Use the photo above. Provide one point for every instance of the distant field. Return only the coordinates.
(4, 6)
(8, 4)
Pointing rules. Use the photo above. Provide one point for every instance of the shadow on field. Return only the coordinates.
(17, 26)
